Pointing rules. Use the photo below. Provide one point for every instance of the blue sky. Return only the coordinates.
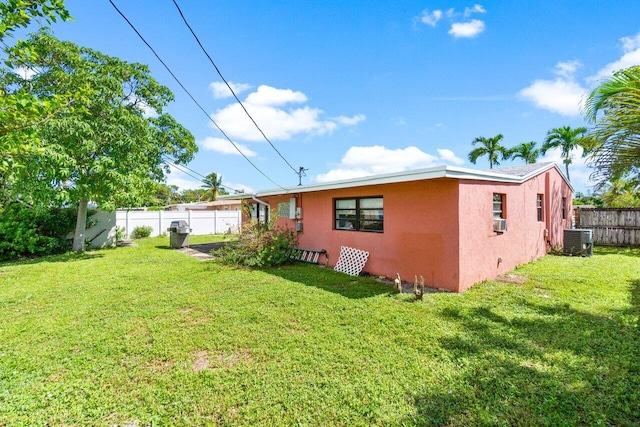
(353, 88)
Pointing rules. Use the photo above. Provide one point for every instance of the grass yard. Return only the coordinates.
(146, 335)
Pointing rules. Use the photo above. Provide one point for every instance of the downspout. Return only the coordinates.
(547, 207)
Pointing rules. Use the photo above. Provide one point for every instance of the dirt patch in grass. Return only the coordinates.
(204, 361)
(512, 278)
(160, 366)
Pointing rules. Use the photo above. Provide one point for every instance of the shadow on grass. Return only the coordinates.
(551, 365)
(616, 250)
(67, 257)
(331, 281)
(635, 298)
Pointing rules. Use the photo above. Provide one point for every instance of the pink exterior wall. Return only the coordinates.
(441, 228)
(420, 229)
(485, 254)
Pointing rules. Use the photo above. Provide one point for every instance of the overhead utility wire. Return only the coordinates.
(200, 178)
(189, 94)
(184, 19)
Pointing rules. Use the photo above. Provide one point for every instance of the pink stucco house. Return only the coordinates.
(454, 226)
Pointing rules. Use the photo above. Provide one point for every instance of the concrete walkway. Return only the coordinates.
(202, 251)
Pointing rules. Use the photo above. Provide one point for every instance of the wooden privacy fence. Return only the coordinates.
(611, 226)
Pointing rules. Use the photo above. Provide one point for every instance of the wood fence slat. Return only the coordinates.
(611, 226)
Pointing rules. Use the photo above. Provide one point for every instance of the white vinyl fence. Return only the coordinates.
(200, 222)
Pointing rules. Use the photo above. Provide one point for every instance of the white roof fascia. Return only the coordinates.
(443, 171)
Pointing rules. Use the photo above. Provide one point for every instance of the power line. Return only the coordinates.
(200, 178)
(184, 19)
(189, 94)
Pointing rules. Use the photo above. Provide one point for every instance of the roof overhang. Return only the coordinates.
(443, 171)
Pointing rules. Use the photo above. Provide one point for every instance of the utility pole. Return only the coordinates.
(301, 172)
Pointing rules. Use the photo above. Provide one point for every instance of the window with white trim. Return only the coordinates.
(359, 214)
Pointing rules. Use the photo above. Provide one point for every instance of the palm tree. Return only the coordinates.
(567, 139)
(491, 147)
(621, 193)
(526, 151)
(616, 136)
(213, 185)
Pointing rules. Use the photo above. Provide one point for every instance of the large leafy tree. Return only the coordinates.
(21, 110)
(110, 146)
(526, 151)
(19, 13)
(614, 107)
(566, 139)
(490, 147)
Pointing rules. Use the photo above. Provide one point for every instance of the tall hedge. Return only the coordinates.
(27, 232)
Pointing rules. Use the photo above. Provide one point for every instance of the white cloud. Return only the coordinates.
(220, 89)
(341, 174)
(449, 156)
(558, 96)
(237, 186)
(567, 69)
(562, 95)
(350, 121)
(223, 146)
(180, 179)
(630, 44)
(630, 57)
(270, 96)
(374, 160)
(266, 107)
(468, 29)
(468, 11)
(430, 18)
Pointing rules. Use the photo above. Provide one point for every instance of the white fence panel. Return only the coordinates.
(200, 222)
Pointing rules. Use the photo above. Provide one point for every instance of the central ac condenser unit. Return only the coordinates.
(578, 241)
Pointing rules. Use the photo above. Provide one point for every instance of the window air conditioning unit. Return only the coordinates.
(499, 225)
(578, 241)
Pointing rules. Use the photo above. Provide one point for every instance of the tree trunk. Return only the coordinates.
(81, 226)
(566, 165)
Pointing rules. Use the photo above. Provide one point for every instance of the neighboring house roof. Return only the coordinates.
(510, 174)
(204, 205)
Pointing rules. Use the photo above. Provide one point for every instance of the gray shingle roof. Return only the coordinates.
(520, 170)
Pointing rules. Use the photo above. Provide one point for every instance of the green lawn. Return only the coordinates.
(146, 335)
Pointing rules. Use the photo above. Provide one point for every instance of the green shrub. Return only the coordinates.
(259, 245)
(121, 233)
(141, 232)
(27, 231)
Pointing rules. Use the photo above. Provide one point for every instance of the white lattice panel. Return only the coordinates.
(351, 260)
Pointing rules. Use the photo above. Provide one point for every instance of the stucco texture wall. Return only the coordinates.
(442, 229)
(420, 229)
(485, 254)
